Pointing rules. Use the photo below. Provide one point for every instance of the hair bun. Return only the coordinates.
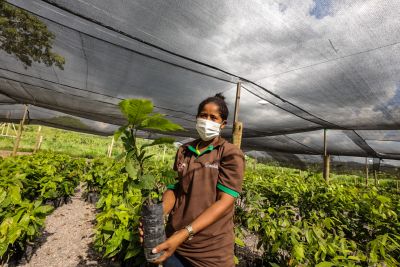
(220, 95)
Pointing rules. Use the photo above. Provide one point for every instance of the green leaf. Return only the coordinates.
(120, 131)
(136, 110)
(160, 123)
(3, 248)
(15, 194)
(298, 252)
(132, 252)
(130, 169)
(236, 260)
(44, 210)
(325, 264)
(147, 182)
(239, 242)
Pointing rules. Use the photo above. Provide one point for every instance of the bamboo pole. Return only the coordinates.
(237, 126)
(110, 148)
(254, 164)
(37, 139)
(40, 142)
(163, 156)
(366, 171)
(18, 139)
(326, 158)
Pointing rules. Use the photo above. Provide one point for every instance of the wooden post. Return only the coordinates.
(326, 158)
(237, 126)
(110, 148)
(163, 156)
(254, 164)
(376, 177)
(35, 149)
(18, 139)
(366, 171)
(40, 142)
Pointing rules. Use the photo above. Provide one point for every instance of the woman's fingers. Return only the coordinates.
(141, 232)
(163, 257)
(161, 247)
(166, 247)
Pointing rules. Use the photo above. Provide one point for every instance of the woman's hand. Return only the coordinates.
(141, 232)
(170, 245)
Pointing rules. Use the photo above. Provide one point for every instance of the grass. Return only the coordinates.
(72, 143)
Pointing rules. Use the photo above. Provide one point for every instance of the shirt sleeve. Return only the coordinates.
(232, 164)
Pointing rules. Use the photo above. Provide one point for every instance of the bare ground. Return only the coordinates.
(6, 153)
(67, 238)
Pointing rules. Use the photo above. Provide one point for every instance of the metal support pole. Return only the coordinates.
(18, 139)
(237, 126)
(37, 140)
(326, 158)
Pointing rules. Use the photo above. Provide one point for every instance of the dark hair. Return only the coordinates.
(219, 100)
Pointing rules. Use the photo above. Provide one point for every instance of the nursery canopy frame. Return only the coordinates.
(304, 66)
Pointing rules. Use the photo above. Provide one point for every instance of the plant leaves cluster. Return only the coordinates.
(302, 221)
(140, 116)
(26, 37)
(119, 208)
(27, 185)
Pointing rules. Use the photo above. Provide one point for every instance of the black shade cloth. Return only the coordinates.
(304, 66)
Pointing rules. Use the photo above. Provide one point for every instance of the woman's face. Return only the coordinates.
(211, 112)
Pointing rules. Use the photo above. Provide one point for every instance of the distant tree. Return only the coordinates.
(26, 37)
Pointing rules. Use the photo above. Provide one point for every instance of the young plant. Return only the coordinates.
(140, 116)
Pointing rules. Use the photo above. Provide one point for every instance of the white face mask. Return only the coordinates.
(207, 129)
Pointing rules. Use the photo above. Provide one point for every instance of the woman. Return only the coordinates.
(201, 204)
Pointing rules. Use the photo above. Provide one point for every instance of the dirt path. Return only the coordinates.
(67, 239)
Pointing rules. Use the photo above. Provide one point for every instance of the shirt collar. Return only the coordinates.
(214, 144)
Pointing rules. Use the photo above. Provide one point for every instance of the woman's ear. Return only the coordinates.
(223, 124)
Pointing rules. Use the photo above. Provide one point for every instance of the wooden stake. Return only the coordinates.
(40, 142)
(366, 171)
(376, 178)
(163, 156)
(18, 139)
(237, 126)
(237, 134)
(110, 148)
(326, 158)
(37, 139)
